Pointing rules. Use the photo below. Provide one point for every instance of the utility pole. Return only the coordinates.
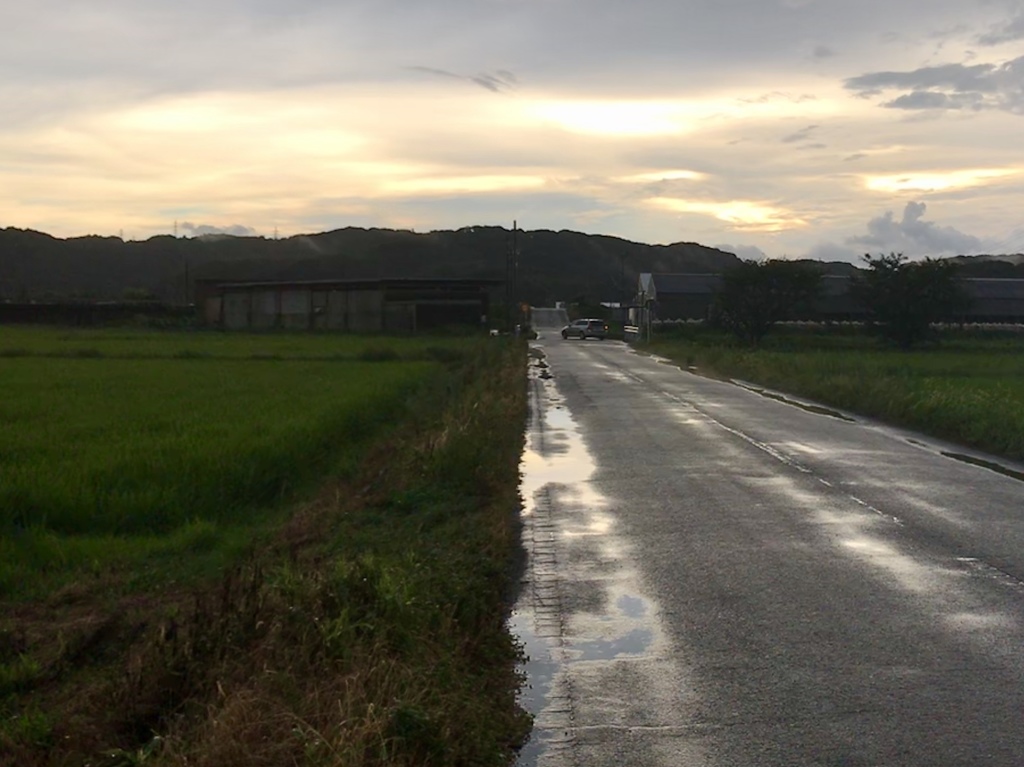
(625, 289)
(508, 283)
(512, 278)
(515, 269)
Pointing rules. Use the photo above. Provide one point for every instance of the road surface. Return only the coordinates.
(721, 578)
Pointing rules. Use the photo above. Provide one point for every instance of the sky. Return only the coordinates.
(773, 128)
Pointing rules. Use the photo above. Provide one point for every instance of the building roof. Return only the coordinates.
(991, 288)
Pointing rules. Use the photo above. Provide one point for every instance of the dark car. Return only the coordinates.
(583, 329)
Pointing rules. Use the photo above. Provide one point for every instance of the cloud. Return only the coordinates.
(501, 80)
(949, 86)
(937, 100)
(822, 52)
(777, 96)
(745, 252)
(914, 236)
(938, 181)
(801, 135)
(1008, 31)
(911, 235)
(201, 230)
(833, 251)
(740, 215)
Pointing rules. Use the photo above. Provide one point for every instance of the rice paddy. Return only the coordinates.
(969, 390)
(229, 549)
(122, 445)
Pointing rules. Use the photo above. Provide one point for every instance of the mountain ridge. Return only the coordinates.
(553, 265)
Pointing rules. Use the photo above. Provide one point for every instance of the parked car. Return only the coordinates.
(583, 329)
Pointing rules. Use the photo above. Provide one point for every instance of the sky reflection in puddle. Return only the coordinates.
(574, 550)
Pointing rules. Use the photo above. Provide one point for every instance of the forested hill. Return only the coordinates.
(552, 265)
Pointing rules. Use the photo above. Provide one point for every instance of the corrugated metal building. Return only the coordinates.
(690, 296)
(358, 306)
(996, 300)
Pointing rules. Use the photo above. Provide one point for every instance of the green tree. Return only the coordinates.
(755, 295)
(904, 299)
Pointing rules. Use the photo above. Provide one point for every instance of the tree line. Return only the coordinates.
(903, 299)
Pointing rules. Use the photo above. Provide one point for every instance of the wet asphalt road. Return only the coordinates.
(720, 578)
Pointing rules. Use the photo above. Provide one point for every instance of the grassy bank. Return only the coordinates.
(364, 625)
(969, 390)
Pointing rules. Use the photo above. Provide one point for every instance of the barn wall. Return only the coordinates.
(399, 317)
(212, 307)
(337, 310)
(264, 309)
(296, 307)
(365, 311)
(236, 311)
(361, 307)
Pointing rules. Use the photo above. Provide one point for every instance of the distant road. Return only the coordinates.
(721, 579)
(548, 319)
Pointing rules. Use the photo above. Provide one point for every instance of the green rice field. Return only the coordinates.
(969, 389)
(125, 447)
(271, 549)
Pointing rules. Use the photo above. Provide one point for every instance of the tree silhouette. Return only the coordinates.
(905, 299)
(755, 295)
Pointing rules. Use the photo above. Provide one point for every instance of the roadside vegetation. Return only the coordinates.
(902, 300)
(969, 390)
(906, 364)
(274, 549)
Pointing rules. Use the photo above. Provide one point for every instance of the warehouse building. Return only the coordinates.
(357, 306)
(690, 297)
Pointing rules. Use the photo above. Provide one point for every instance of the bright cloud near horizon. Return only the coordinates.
(786, 128)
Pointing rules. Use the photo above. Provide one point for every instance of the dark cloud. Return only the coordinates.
(801, 135)
(438, 72)
(201, 230)
(854, 157)
(501, 80)
(822, 52)
(949, 86)
(1006, 32)
(957, 77)
(937, 100)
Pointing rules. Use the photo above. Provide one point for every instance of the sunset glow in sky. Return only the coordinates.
(821, 128)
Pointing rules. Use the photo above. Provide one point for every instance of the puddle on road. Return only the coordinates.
(565, 517)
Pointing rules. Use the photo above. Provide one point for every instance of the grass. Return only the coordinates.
(134, 457)
(969, 390)
(90, 343)
(365, 625)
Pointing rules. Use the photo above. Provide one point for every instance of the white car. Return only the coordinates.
(583, 329)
